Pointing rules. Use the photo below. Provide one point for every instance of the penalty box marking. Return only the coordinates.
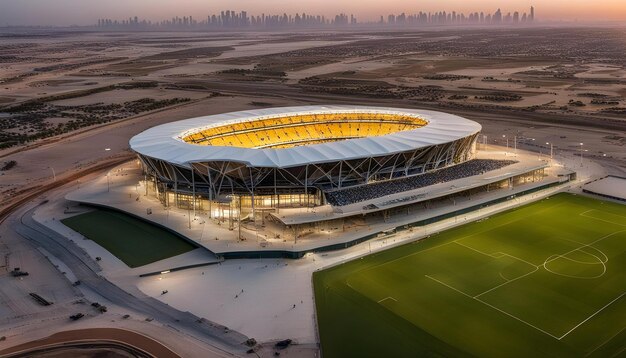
(462, 238)
(492, 306)
(521, 320)
(537, 267)
(584, 214)
(499, 255)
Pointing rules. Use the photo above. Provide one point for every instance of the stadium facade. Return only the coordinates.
(283, 182)
(294, 156)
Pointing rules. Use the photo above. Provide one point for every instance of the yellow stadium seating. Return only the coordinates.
(284, 132)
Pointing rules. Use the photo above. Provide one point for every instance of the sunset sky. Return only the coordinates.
(85, 12)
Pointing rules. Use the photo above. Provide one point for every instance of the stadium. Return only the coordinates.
(289, 157)
(303, 173)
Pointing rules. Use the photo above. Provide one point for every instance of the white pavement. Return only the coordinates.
(257, 297)
(123, 189)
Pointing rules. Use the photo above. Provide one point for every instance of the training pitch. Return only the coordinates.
(133, 241)
(546, 279)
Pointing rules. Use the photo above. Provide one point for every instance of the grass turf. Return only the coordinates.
(546, 279)
(133, 241)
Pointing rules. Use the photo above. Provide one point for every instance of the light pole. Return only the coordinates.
(54, 176)
(581, 154)
(507, 141)
(551, 148)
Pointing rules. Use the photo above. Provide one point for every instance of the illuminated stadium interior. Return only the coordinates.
(297, 130)
(267, 156)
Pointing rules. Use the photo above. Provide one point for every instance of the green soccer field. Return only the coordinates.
(547, 279)
(133, 241)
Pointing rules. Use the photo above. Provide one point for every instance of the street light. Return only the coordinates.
(551, 148)
(581, 154)
(54, 176)
(507, 141)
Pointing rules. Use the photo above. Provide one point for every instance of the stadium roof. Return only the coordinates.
(165, 142)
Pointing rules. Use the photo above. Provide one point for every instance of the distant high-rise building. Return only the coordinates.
(497, 17)
(241, 20)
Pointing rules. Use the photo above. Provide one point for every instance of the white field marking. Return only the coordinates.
(618, 353)
(606, 221)
(548, 260)
(448, 286)
(505, 279)
(590, 317)
(387, 298)
(462, 238)
(581, 262)
(494, 307)
(401, 258)
(487, 304)
(597, 262)
(517, 318)
(480, 252)
(495, 255)
(591, 247)
(600, 252)
(605, 342)
(518, 259)
(507, 282)
(610, 213)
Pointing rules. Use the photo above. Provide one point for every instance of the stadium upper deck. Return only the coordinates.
(304, 129)
(301, 150)
(174, 142)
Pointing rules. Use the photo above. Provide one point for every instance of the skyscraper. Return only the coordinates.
(497, 17)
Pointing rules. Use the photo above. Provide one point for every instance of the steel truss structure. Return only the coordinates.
(218, 178)
(217, 172)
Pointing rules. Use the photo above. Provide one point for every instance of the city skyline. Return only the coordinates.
(74, 12)
(230, 19)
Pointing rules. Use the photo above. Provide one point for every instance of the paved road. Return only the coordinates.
(86, 270)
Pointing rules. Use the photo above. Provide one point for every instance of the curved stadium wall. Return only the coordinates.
(300, 150)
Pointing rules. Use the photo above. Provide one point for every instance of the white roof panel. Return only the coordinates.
(165, 141)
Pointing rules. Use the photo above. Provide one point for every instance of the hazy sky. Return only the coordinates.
(84, 12)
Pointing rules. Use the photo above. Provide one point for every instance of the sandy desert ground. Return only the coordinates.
(70, 100)
(55, 83)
